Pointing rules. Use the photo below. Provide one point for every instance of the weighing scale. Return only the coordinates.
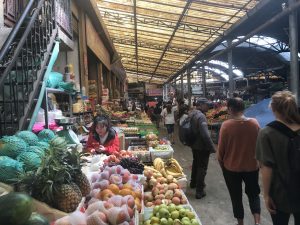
(67, 131)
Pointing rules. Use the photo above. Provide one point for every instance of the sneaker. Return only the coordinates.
(200, 195)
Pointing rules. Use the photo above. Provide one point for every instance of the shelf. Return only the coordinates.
(54, 90)
(81, 113)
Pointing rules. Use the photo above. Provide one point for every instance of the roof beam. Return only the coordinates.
(146, 73)
(172, 36)
(150, 45)
(272, 20)
(198, 28)
(136, 39)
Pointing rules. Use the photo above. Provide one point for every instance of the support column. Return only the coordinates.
(230, 72)
(294, 64)
(204, 82)
(189, 87)
(181, 85)
(99, 81)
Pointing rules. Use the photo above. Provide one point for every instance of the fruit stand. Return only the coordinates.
(141, 185)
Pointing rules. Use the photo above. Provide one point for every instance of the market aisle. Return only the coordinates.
(215, 208)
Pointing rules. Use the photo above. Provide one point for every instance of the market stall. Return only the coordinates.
(141, 184)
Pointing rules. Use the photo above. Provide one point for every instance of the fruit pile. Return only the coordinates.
(116, 157)
(133, 165)
(116, 180)
(130, 130)
(172, 215)
(170, 167)
(116, 210)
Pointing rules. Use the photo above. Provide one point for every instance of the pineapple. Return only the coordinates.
(83, 183)
(52, 182)
(67, 198)
(74, 160)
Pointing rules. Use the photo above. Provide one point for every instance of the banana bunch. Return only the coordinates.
(171, 167)
(159, 165)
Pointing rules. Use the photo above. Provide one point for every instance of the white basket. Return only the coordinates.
(143, 156)
(168, 154)
(148, 212)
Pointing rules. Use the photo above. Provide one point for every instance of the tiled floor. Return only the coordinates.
(215, 208)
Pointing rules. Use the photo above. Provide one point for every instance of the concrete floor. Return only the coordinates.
(215, 208)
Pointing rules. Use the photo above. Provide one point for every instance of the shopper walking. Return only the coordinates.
(201, 148)
(236, 155)
(168, 115)
(272, 150)
(157, 112)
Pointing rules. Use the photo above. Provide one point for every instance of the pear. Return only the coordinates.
(182, 212)
(148, 222)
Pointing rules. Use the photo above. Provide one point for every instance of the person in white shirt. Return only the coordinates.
(168, 115)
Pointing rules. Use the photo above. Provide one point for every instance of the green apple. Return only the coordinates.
(175, 215)
(185, 219)
(148, 222)
(190, 215)
(163, 221)
(194, 222)
(178, 207)
(170, 221)
(186, 222)
(182, 212)
(164, 213)
(155, 209)
(177, 222)
(155, 219)
(172, 207)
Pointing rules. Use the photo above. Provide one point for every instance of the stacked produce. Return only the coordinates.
(16, 209)
(130, 130)
(172, 215)
(114, 211)
(120, 115)
(114, 181)
(159, 189)
(152, 140)
(58, 181)
(170, 167)
(217, 115)
(133, 165)
(116, 157)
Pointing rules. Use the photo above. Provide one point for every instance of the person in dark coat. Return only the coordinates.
(202, 147)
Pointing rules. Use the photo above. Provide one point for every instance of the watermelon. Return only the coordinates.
(15, 208)
(46, 135)
(31, 160)
(37, 219)
(37, 150)
(9, 169)
(12, 146)
(43, 145)
(29, 137)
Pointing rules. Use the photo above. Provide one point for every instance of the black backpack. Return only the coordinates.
(292, 182)
(186, 134)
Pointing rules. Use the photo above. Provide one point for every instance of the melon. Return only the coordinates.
(46, 135)
(29, 137)
(12, 146)
(9, 169)
(31, 160)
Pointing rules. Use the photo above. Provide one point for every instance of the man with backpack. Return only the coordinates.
(201, 144)
(278, 151)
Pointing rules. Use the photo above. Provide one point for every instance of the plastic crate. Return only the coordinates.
(148, 212)
(143, 156)
(167, 154)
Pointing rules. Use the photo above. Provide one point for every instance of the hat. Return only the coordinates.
(201, 101)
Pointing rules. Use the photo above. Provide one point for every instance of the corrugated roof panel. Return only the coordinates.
(168, 33)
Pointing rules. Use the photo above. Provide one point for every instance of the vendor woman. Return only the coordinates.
(103, 138)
